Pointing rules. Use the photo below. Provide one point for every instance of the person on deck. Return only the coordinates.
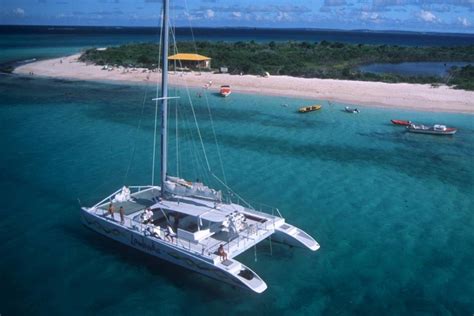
(170, 234)
(111, 210)
(147, 216)
(122, 215)
(221, 252)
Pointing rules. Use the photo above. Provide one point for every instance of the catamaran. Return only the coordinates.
(188, 223)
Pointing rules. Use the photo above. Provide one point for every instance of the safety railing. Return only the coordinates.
(259, 208)
(133, 190)
(249, 234)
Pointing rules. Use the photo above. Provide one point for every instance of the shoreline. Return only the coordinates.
(406, 96)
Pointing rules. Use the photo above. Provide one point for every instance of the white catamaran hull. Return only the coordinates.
(163, 250)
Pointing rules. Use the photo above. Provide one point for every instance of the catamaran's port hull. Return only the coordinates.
(162, 250)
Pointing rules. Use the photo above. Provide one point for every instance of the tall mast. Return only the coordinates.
(164, 96)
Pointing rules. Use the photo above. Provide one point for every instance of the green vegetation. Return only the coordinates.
(301, 59)
(463, 78)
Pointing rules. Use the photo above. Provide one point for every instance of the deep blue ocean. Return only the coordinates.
(22, 42)
(393, 211)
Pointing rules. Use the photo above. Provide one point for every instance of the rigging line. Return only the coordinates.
(176, 118)
(190, 140)
(192, 31)
(207, 100)
(215, 138)
(194, 113)
(156, 104)
(232, 191)
(193, 152)
(136, 135)
(202, 174)
(177, 142)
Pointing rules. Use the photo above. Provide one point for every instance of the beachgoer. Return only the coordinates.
(111, 210)
(221, 252)
(122, 215)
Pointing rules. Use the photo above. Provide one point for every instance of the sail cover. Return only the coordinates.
(182, 187)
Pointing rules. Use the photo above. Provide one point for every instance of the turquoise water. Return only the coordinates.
(391, 210)
(438, 69)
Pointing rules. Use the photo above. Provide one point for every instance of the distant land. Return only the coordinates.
(325, 60)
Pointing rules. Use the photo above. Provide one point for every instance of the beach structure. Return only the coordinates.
(190, 61)
(188, 223)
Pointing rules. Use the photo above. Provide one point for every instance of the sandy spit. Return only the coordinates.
(400, 95)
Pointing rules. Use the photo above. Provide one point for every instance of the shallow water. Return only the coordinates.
(391, 210)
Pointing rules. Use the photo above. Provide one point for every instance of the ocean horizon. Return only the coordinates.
(119, 33)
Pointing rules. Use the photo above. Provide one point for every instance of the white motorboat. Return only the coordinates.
(436, 129)
(351, 110)
(188, 223)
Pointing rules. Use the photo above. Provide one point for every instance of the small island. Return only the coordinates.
(317, 71)
(324, 60)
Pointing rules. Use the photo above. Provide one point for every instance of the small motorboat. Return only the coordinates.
(351, 110)
(401, 122)
(436, 129)
(225, 91)
(310, 108)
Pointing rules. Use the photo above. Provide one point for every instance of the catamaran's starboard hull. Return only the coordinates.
(164, 251)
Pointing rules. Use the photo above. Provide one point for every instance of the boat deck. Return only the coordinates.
(141, 200)
(258, 225)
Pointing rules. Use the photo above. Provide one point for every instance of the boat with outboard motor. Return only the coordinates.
(401, 122)
(351, 110)
(188, 223)
(436, 129)
(225, 90)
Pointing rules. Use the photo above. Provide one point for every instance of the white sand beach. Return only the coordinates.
(401, 95)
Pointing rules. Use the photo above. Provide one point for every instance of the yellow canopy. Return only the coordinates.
(191, 57)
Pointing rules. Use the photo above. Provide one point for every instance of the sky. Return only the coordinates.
(408, 15)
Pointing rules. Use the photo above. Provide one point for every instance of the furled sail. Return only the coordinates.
(182, 187)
